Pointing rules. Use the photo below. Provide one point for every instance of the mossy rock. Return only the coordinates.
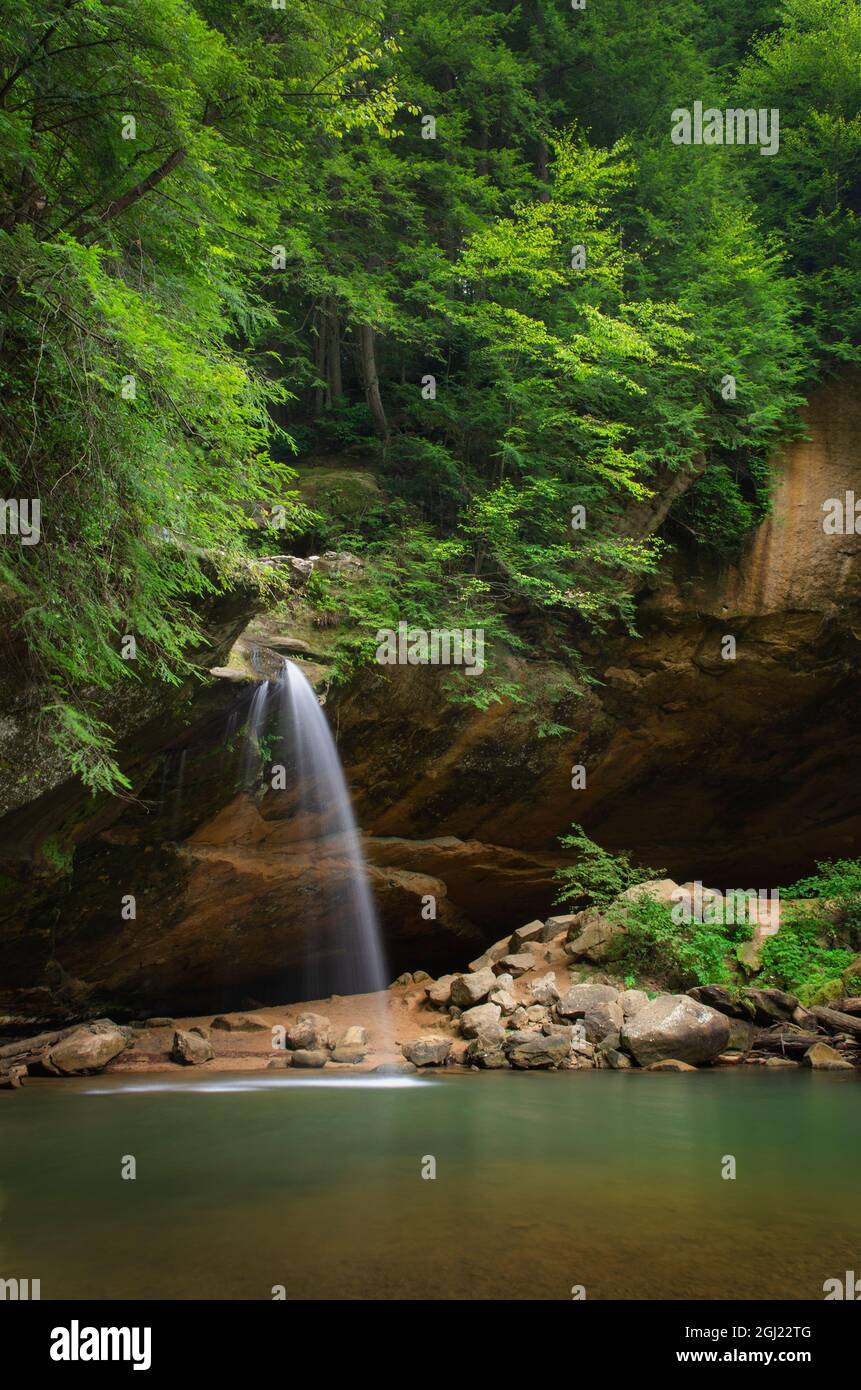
(827, 993)
(344, 494)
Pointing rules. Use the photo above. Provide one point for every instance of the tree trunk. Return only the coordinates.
(368, 359)
(543, 155)
(319, 361)
(483, 144)
(333, 354)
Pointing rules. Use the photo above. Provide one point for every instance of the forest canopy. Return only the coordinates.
(452, 239)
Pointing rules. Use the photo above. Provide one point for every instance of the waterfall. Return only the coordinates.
(345, 954)
(254, 728)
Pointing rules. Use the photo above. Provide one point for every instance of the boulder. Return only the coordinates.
(716, 997)
(309, 1033)
(675, 1027)
(602, 1019)
(697, 899)
(543, 990)
(631, 1001)
(404, 1068)
(504, 1000)
(537, 1014)
(310, 1057)
(538, 950)
(478, 1019)
(439, 992)
(419, 976)
(749, 955)
(190, 1048)
(741, 1033)
(615, 1059)
(573, 1062)
(518, 1019)
(493, 953)
(669, 1064)
(852, 974)
(467, 990)
(515, 965)
(770, 1005)
(555, 926)
(355, 1038)
(87, 1049)
(596, 938)
(157, 1023)
(560, 1030)
(280, 1061)
(661, 889)
(533, 931)
(821, 1057)
(241, 1023)
(430, 1051)
(528, 1050)
(486, 1053)
(579, 999)
(348, 1056)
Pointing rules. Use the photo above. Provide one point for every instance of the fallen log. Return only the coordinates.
(25, 1047)
(780, 1040)
(837, 1022)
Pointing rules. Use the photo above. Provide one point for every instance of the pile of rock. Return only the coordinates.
(309, 1044)
(509, 1010)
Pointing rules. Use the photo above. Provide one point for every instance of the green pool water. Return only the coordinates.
(543, 1182)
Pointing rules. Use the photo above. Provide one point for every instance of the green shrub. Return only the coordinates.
(818, 939)
(837, 886)
(681, 954)
(598, 876)
(796, 960)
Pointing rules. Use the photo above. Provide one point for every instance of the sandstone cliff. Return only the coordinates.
(738, 772)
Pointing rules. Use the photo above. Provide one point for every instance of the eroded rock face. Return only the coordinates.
(721, 771)
(713, 769)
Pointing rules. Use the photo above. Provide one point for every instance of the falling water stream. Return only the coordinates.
(346, 953)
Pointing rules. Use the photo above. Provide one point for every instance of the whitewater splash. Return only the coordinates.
(346, 954)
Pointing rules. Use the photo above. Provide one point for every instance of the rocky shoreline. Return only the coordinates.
(539, 999)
